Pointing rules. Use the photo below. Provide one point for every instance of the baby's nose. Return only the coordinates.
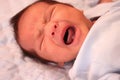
(53, 32)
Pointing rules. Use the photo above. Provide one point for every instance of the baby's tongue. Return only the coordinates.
(70, 36)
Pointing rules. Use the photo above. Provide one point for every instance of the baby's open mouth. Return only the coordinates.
(69, 35)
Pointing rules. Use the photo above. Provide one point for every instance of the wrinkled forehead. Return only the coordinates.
(28, 22)
(30, 16)
(37, 7)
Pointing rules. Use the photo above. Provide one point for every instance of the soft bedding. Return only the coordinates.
(15, 66)
(99, 56)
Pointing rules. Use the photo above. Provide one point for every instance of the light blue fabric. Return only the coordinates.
(99, 57)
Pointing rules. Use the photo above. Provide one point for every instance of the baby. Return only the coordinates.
(51, 31)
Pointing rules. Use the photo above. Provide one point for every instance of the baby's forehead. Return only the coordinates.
(31, 14)
(38, 5)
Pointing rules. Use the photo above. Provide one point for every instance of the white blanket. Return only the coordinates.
(99, 56)
(13, 66)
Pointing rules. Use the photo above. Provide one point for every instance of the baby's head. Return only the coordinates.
(51, 30)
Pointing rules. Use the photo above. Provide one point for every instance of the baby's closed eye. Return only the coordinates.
(49, 14)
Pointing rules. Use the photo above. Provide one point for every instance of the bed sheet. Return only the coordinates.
(99, 56)
(13, 66)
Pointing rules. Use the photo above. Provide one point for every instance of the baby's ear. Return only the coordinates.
(60, 64)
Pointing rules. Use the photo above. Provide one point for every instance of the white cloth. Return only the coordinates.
(12, 64)
(81, 4)
(99, 56)
(98, 10)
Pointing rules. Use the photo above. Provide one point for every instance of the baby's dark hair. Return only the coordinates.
(14, 22)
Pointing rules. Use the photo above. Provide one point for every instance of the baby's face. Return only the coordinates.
(54, 32)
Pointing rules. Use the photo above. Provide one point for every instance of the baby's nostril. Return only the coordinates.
(53, 33)
(55, 26)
